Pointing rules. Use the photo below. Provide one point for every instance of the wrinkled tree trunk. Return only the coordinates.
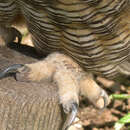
(27, 106)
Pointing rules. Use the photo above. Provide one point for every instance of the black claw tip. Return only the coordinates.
(105, 98)
(71, 116)
(105, 102)
(10, 69)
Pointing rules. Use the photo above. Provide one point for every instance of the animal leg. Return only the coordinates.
(69, 77)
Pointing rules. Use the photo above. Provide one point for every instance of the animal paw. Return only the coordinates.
(70, 79)
(91, 90)
(71, 116)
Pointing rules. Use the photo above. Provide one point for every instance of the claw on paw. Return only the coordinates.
(71, 116)
(104, 100)
(70, 79)
(10, 69)
(91, 90)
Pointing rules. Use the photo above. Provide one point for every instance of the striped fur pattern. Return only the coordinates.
(96, 33)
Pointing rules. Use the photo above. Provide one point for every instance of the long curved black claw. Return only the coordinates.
(10, 69)
(71, 116)
(105, 98)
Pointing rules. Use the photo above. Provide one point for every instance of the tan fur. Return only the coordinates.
(40, 70)
(69, 77)
(92, 91)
